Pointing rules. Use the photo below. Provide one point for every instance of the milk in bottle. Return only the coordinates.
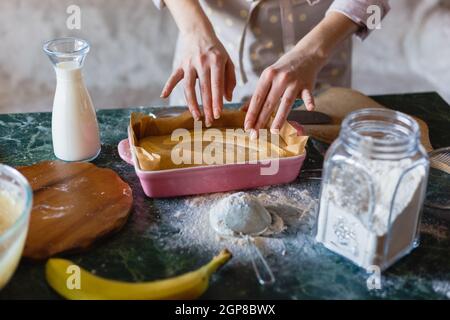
(75, 130)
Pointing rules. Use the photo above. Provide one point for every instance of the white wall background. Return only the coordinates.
(132, 48)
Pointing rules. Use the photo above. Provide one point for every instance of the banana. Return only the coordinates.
(190, 285)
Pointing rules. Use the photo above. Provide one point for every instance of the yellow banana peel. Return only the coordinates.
(190, 285)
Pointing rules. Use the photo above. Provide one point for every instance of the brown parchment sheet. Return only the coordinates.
(156, 140)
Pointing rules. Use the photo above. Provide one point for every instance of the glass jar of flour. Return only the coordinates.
(373, 188)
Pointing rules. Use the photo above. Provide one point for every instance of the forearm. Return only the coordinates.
(189, 16)
(327, 35)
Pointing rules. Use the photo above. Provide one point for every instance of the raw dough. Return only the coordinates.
(239, 213)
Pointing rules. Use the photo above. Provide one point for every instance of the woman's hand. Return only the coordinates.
(204, 58)
(292, 76)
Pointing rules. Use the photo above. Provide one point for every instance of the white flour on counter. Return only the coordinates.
(292, 210)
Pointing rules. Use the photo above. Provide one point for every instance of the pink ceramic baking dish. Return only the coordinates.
(212, 178)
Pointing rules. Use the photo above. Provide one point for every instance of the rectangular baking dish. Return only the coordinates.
(211, 178)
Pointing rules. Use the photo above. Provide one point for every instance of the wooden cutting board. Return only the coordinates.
(73, 205)
(337, 103)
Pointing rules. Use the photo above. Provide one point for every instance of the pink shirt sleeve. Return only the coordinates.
(356, 10)
(159, 4)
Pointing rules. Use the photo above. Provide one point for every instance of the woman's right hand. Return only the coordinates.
(203, 58)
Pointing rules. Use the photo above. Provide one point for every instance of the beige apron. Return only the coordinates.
(256, 33)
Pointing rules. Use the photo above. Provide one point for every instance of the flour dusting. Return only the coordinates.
(293, 214)
(442, 287)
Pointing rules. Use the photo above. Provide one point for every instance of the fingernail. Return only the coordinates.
(208, 123)
(253, 134)
(274, 130)
(246, 126)
(196, 116)
(216, 115)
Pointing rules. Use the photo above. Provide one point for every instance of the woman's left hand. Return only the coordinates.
(292, 76)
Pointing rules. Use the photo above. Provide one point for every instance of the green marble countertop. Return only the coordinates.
(138, 253)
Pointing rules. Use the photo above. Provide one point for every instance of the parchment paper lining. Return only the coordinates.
(145, 128)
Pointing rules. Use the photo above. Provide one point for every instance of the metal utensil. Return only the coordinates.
(259, 263)
(311, 174)
(309, 117)
(437, 206)
(440, 159)
(234, 223)
(257, 257)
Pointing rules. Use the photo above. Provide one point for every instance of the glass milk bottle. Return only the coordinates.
(75, 130)
(373, 188)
